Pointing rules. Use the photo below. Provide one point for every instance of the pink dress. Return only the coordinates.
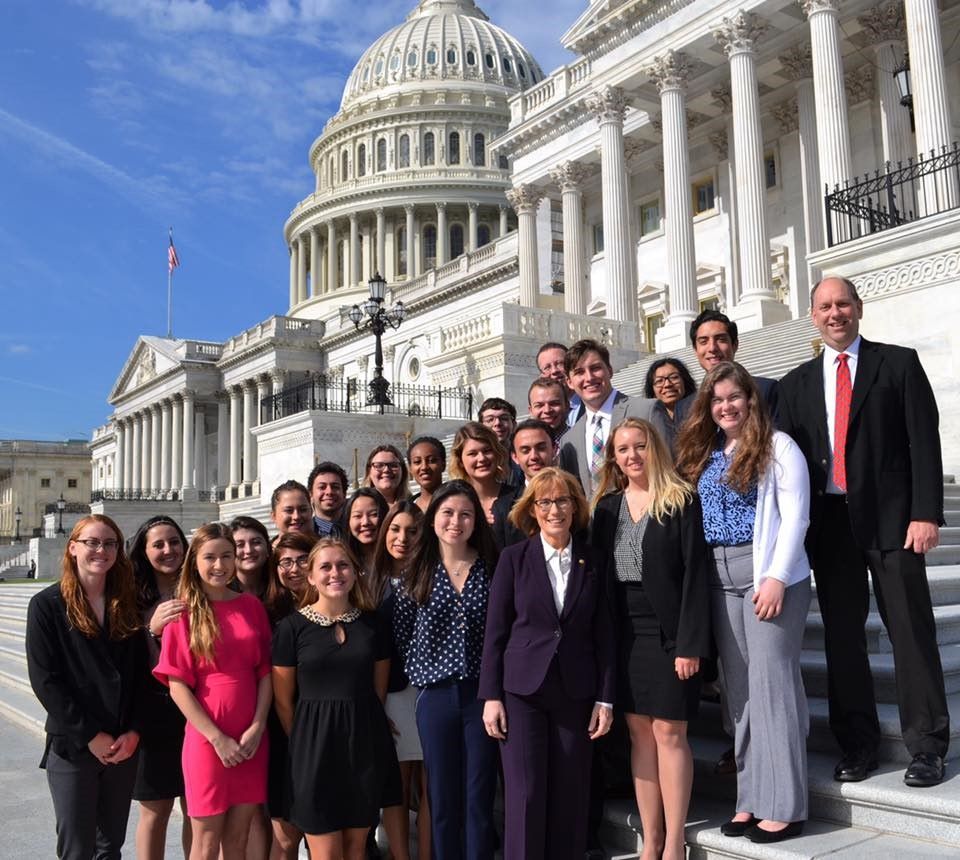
(227, 691)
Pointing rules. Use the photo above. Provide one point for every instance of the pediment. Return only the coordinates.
(594, 16)
(151, 357)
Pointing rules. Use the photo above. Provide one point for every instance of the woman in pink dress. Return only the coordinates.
(216, 659)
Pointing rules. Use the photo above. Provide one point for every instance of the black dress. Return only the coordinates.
(342, 759)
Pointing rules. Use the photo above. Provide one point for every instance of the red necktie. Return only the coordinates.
(841, 420)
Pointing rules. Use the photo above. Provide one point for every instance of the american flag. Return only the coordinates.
(173, 260)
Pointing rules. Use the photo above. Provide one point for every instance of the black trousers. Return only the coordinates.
(91, 802)
(903, 599)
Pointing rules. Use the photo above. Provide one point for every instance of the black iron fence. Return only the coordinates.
(920, 188)
(348, 395)
(113, 495)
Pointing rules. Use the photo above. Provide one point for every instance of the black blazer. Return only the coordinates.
(85, 685)
(894, 464)
(675, 573)
(506, 533)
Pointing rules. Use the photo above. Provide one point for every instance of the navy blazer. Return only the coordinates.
(524, 631)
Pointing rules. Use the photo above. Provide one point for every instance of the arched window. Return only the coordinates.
(428, 148)
(483, 235)
(344, 167)
(381, 155)
(453, 155)
(412, 58)
(332, 168)
(429, 246)
(507, 66)
(452, 56)
(522, 69)
(503, 163)
(378, 68)
(394, 62)
(488, 59)
(362, 160)
(456, 240)
(404, 158)
(431, 56)
(479, 150)
(471, 58)
(401, 250)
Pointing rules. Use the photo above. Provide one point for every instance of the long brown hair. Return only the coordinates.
(278, 600)
(668, 491)
(119, 594)
(383, 562)
(698, 436)
(359, 597)
(204, 630)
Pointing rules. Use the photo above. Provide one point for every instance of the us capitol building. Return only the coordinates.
(679, 162)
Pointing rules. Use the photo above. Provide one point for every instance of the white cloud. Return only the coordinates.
(18, 349)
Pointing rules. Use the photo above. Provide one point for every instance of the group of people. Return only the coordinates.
(396, 650)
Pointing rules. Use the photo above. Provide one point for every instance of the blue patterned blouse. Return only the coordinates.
(728, 516)
(443, 639)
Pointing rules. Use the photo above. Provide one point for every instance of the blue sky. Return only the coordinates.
(120, 118)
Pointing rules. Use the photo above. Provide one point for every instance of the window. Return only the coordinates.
(431, 56)
(479, 150)
(428, 148)
(483, 235)
(412, 58)
(344, 165)
(598, 238)
(366, 73)
(401, 250)
(453, 156)
(332, 166)
(502, 162)
(653, 324)
(71, 483)
(522, 69)
(456, 240)
(378, 68)
(429, 246)
(362, 160)
(488, 59)
(452, 56)
(770, 169)
(471, 58)
(650, 217)
(404, 159)
(394, 62)
(703, 195)
(507, 66)
(381, 155)
(45, 483)
(711, 303)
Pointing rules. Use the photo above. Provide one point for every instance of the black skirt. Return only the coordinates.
(648, 680)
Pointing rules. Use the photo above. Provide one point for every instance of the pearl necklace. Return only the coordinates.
(311, 614)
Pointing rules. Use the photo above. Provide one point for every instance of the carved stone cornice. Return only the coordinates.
(859, 84)
(524, 198)
(633, 149)
(720, 144)
(722, 97)
(883, 24)
(811, 7)
(739, 34)
(570, 175)
(797, 62)
(608, 105)
(670, 71)
(787, 116)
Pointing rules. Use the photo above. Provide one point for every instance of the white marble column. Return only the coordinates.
(333, 258)
(119, 458)
(315, 288)
(147, 447)
(931, 108)
(165, 445)
(570, 176)
(128, 479)
(249, 467)
(610, 107)
(381, 263)
(525, 200)
(758, 305)
(263, 391)
(355, 261)
(301, 269)
(504, 222)
(412, 268)
(155, 448)
(472, 227)
(176, 438)
(189, 451)
(223, 440)
(833, 132)
(443, 237)
(293, 273)
(137, 475)
(235, 430)
(670, 72)
(722, 143)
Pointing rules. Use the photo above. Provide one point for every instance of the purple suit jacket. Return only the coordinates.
(524, 631)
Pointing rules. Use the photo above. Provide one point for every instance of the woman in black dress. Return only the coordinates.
(156, 552)
(331, 661)
(652, 521)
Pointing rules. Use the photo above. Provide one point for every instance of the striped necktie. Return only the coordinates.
(841, 421)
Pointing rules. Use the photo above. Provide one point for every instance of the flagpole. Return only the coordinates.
(170, 291)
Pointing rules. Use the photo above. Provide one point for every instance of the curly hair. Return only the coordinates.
(689, 384)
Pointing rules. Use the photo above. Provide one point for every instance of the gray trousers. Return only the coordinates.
(764, 689)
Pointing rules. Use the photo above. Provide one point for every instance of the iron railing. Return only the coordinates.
(920, 188)
(348, 395)
(114, 495)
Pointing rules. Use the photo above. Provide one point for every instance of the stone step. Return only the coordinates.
(13, 620)
(21, 706)
(13, 666)
(950, 535)
(878, 642)
(943, 579)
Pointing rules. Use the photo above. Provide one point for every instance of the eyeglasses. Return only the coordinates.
(385, 467)
(97, 545)
(660, 381)
(290, 563)
(562, 502)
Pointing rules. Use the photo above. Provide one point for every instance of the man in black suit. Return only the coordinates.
(877, 503)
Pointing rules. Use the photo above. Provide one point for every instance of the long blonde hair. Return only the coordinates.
(204, 630)
(359, 596)
(120, 591)
(669, 493)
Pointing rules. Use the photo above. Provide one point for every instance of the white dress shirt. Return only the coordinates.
(606, 413)
(830, 364)
(558, 569)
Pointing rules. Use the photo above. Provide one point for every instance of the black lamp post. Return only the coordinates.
(17, 516)
(901, 74)
(61, 504)
(378, 318)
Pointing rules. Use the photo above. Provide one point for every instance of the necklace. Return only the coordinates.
(311, 614)
(460, 569)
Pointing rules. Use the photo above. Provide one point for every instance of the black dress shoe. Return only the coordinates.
(854, 767)
(755, 834)
(737, 828)
(727, 763)
(925, 770)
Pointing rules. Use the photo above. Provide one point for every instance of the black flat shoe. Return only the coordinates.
(855, 767)
(763, 837)
(737, 828)
(925, 770)
(726, 764)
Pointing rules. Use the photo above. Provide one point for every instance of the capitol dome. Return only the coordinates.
(441, 40)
